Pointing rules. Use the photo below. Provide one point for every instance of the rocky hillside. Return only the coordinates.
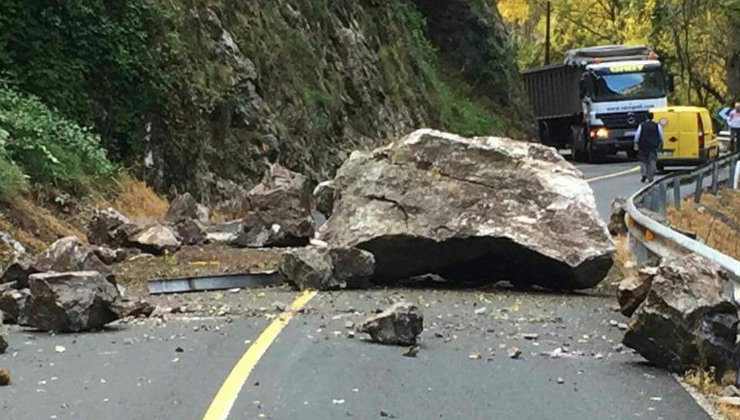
(198, 95)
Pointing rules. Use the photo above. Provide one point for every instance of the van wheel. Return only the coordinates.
(632, 153)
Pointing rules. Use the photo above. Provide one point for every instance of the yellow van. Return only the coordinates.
(688, 137)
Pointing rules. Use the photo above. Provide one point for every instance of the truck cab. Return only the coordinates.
(593, 102)
(616, 99)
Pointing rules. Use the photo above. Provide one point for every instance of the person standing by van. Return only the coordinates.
(733, 122)
(648, 139)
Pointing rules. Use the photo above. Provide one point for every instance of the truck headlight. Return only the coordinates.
(600, 132)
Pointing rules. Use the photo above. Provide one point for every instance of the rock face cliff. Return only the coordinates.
(200, 95)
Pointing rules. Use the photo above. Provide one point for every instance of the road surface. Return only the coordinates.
(575, 368)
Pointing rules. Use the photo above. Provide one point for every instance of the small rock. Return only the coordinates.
(561, 380)
(400, 324)
(474, 356)
(412, 351)
(598, 356)
(481, 311)
(3, 345)
(622, 326)
(531, 336)
(4, 377)
(59, 349)
(279, 306)
(613, 322)
(514, 353)
(349, 325)
(179, 349)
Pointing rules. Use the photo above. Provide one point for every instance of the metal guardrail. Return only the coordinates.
(649, 237)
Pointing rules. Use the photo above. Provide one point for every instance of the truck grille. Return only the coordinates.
(623, 119)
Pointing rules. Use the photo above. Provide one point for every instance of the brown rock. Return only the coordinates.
(20, 267)
(101, 229)
(4, 377)
(71, 302)
(278, 211)
(184, 207)
(190, 232)
(13, 305)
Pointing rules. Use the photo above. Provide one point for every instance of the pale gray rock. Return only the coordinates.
(482, 209)
(318, 268)
(688, 318)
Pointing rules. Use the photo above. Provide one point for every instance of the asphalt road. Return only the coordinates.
(315, 370)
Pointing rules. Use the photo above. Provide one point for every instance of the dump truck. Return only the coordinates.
(593, 101)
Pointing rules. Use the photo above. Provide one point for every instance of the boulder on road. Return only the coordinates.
(481, 209)
(68, 254)
(688, 318)
(71, 302)
(184, 207)
(13, 305)
(20, 267)
(101, 229)
(632, 291)
(157, 240)
(617, 225)
(190, 232)
(3, 345)
(283, 198)
(399, 325)
(319, 268)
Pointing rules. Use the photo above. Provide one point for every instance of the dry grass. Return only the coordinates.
(704, 381)
(35, 221)
(723, 236)
(134, 199)
(34, 226)
(730, 412)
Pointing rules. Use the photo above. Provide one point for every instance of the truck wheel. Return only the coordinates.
(578, 144)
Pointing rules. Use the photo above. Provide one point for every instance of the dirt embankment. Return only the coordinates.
(36, 220)
(715, 220)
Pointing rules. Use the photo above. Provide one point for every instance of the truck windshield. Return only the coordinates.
(623, 86)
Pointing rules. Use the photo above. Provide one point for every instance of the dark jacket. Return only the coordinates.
(650, 139)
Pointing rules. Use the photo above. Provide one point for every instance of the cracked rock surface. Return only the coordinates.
(474, 210)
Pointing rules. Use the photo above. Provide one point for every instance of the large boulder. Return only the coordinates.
(68, 254)
(102, 227)
(688, 318)
(320, 268)
(20, 267)
(481, 209)
(71, 302)
(185, 207)
(157, 239)
(282, 199)
(399, 325)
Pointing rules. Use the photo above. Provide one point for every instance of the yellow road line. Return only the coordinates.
(615, 174)
(226, 396)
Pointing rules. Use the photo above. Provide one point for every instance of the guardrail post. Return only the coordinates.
(733, 167)
(715, 177)
(697, 191)
(662, 198)
(677, 193)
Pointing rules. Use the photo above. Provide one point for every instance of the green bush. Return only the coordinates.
(12, 178)
(48, 148)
